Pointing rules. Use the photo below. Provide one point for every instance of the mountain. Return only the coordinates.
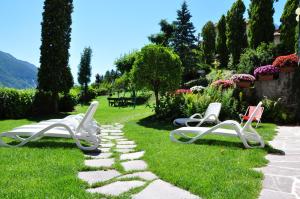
(16, 73)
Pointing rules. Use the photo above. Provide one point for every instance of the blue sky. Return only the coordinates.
(110, 27)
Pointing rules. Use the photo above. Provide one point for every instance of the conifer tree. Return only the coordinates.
(236, 31)
(288, 26)
(84, 72)
(54, 75)
(184, 41)
(166, 34)
(261, 25)
(221, 48)
(208, 42)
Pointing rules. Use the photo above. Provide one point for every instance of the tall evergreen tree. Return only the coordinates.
(54, 75)
(236, 31)
(288, 26)
(84, 72)
(184, 41)
(98, 79)
(208, 42)
(221, 48)
(261, 25)
(166, 34)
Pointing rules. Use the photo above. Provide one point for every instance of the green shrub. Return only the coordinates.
(202, 81)
(15, 103)
(91, 94)
(67, 102)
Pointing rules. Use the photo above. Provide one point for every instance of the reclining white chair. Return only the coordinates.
(211, 116)
(247, 133)
(71, 127)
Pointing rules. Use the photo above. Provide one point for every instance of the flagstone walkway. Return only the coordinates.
(119, 169)
(282, 174)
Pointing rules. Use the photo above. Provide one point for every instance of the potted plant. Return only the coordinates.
(266, 73)
(286, 63)
(223, 83)
(243, 80)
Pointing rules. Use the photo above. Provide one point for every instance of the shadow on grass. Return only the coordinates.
(152, 122)
(38, 118)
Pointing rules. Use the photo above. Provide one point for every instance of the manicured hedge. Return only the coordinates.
(15, 103)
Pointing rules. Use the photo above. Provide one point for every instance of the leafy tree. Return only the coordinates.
(209, 42)
(184, 40)
(261, 25)
(54, 75)
(236, 31)
(221, 48)
(166, 34)
(288, 26)
(84, 72)
(157, 68)
(124, 63)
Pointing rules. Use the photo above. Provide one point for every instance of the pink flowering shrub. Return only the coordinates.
(286, 61)
(242, 77)
(183, 91)
(266, 70)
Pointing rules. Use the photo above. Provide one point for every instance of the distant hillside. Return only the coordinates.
(16, 73)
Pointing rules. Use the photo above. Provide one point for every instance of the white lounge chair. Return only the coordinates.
(211, 116)
(77, 127)
(247, 133)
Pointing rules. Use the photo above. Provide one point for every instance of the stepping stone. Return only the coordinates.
(162, 190)
(104, 150)
(99, 156)
(109, 145)
(100, 162)
(147, 175)
(111, 131)
(270, 170)
(117, 188)
(125, 146)
(132, 156)
(288, 165)
(92, 177)
(278, 183)
(104, 134)
(134, 165)
(125, 142)
(270, 194)
(110, 137)
(116, 134)
(124, 150)
(122, 139)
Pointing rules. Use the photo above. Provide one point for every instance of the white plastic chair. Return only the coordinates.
(211, 116)
(78, 129)
(247, 133)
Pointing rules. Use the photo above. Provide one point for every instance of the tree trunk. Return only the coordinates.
(156, 99)
(85, 93)
(55, 99)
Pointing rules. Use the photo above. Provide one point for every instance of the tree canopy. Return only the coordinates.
(208, 42)
(221, 47)
(166, 34)
(84, 70)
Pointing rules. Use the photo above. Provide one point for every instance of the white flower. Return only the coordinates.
(197, 88)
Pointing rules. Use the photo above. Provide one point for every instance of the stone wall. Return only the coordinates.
(277, 88)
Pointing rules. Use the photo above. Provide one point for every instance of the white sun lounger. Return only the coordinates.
(211, 116)
(247, 133)
(78, 127)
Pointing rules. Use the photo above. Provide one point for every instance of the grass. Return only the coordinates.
(216, 167)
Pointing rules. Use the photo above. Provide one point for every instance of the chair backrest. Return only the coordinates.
(255, 111)
(213, 108)
(258, 114)
(88, 116)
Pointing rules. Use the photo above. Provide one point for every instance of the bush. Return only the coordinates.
(202, 81)
(91, 94)
(219, 74)
(242, 77)
(266, 70)
(224, 84)
(67, 102)
(15, 103)
(250, 59)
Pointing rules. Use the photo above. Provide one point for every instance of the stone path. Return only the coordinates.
(282, 174)
(118, 169)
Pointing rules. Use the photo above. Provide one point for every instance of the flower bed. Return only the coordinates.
(243, 80)
(286, 63)
(223, 83)
(267, 72)
(183, 91)
(197, 89)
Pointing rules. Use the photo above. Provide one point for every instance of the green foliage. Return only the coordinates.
(236, 31)
(157, 68)
(166, 34)
(184, 41)
(209, 42)
(15, 103)
(67, 102)
(221, 47)
(54, 74)
(85, 98)
(84, 71)
(251, 59)
(219, 74)
(288, 26)
(202, 81)
(261, 25)
(125, 62)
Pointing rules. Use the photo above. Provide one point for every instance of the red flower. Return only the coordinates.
(286, 61)
(183, 91)
(223, 83)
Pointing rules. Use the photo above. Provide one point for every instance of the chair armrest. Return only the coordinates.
(196, 116)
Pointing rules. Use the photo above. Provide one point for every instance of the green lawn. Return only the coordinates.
(216, 167)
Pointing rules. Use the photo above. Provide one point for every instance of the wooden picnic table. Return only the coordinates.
(121, 101)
